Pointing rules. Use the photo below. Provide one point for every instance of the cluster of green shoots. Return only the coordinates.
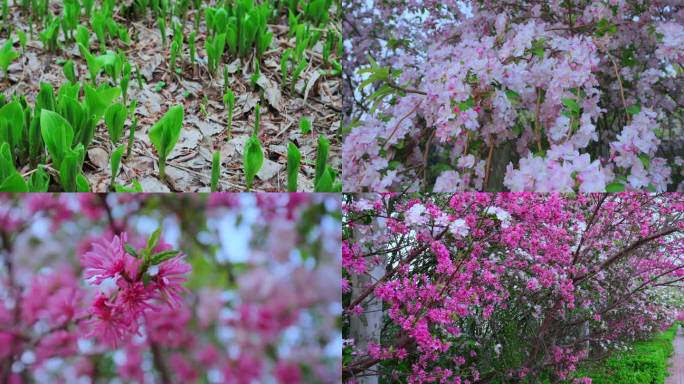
(43, 146)
(325, 180)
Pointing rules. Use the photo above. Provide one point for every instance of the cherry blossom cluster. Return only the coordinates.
(499, 287)
(525, 96)
(95, 287)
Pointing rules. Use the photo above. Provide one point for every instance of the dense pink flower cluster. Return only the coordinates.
(142, 286)
(545, 96)
(479, 279)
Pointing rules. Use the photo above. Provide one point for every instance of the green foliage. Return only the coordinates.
(244, 26)
(57, 134)
(115, 117)
(115, 162)
(325, 178)
(257, 118)
(644, 363)
(125, 79)
(229, 102)
(161, 23)
(70, 170)
(321, 157)
(99, 99)
(317, 11)
(131, 135)
(615, 187)
(72, 12)
(49, 35)
(293, 163)
(165, 133)
(12, 125)
(193, 49)
(83, 36)
(253, 159)
(214, 46)
(39, 180)
(604, 27)
(69, 72)
(7, 56)
(135, 188)
(305, 126)
(10, 179)
(215, 170)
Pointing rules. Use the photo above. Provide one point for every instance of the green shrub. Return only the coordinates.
(644, 363)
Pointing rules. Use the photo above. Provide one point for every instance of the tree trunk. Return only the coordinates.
(503, 154)
(366, 328)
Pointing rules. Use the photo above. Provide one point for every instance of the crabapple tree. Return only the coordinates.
(509, 287)
(542, 95)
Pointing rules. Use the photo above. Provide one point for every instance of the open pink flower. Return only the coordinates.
(169, 278)
(133, 297)
(109, 323)
(107, 259)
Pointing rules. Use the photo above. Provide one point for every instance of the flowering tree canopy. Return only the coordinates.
(543, 95)
(220, 288)
(510, 287)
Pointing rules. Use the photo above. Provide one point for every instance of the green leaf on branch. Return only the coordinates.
(645, 160)
(163, 256)
(615, 187)
(604, 27)
(634, 109)
(131, 251)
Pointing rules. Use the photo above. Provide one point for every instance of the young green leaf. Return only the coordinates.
(12, 125)
(7, 56)
(321, 157)
(99, 99)
(305, 126)
(135, 188)
(253, 159)
(215, 170)
(82, 183)
(257, 118)
(193, 49)
(116, 161)
(70, 168)
(57, 135)
(82, 36)
(229, 102)
(39, 180)
(10, 179)
(326, 181)
(294, 158)
(115, 117)
(45, 98)
(69, 72)
(165, 133)
(615, 187)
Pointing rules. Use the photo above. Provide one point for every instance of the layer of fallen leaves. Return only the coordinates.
(316, 96)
